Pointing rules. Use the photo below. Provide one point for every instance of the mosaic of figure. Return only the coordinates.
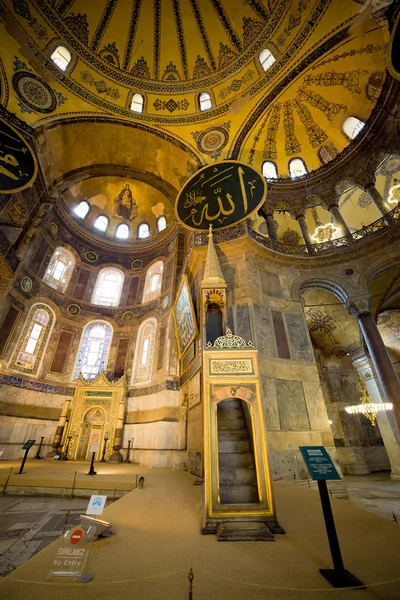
(125, 204)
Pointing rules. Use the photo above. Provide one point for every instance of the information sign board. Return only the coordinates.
(94, 447)
(319, 463)
(96, 505)
(72, 552)
(28, 445)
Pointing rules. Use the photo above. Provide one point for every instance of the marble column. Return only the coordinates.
(60, 428)
(340, 222)
(377, 199)
(387, 422)
(387, 378)
(305, 232)
(272, 232)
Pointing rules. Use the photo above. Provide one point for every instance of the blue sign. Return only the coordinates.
(28, 444)
(319, 463)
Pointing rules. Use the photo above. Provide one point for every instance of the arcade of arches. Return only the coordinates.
(121, 106)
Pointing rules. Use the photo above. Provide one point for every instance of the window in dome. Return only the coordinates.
(327, 153)
(60, 268)
(152, 286)
(269, 170)
(161, 224)
(101, 223)
(61, 57)
(352, 127)
(297, 168)
(82, 209)
(143, 231)
(122, 231)
(93, 350)
(137, 103)
(108, 288)
(266, 58)
(205, 101)
(33, 340)
(144, 353)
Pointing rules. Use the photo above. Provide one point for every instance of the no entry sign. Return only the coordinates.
(76, 536)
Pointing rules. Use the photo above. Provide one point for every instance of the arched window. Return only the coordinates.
(33, 340)
(143, 231)
(152, 286)
(161, 223)
(327, 153)
(137, 103)
(297, 168)
(144, 353)
(108, 288)
(266, 58)
(269, 170)
(60, 268)
(122, 231)
(205, 101)
(61, 57)
(101, 223)
(82, 209)
(93, 350)
(352, 127)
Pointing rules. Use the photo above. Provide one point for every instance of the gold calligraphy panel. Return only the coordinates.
(220, 195)
(184, 318)
(18, 165)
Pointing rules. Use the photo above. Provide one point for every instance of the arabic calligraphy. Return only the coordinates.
(220, 195)
(18, 166)
(185, 324)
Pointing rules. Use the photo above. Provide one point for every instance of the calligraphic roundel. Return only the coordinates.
(18, 165)
(220, 195)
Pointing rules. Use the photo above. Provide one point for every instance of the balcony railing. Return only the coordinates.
(384, 224)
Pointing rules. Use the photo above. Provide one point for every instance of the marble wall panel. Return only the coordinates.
(269, 401)
(292, 405)
(242, 322)
(298, 337)
(270, 284)
(264, 331)
(315, 405)
(15, 432)
(280, 335)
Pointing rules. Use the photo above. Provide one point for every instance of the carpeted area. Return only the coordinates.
(158, 538)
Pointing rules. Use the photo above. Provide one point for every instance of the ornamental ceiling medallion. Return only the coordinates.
(220, 195)
(18, 165)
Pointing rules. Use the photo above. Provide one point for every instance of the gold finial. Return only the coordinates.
(210, 231)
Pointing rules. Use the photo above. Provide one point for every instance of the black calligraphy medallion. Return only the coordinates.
(220, 195)
(18, 165)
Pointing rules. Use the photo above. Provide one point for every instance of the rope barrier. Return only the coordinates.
(236, 581)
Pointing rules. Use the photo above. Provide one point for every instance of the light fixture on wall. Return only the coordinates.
(325, 233)
(366, 407)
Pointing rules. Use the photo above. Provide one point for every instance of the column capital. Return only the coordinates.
(365, 178)
(297, 211)
(359, 305)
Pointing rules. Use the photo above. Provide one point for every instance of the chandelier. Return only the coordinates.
(366, 407)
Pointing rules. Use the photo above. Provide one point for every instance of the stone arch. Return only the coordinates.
(334, 285)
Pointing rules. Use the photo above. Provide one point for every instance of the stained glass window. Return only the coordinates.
(108, 288)
(267, 59)
(144, 353)
(60, 268)
(33, 339)
(101, 223)
(152, 285)
(161, 223)
(143, 231)
(122, 231)
(61, 57)
(352, 127)
(82, 209)
(93, 350)
(137, 103)
(205, 101)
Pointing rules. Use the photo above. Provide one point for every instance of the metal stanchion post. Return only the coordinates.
(127, 454)
(37, 455)
(103, 458)
(91, 470)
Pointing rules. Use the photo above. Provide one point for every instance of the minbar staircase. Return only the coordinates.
(237, 473)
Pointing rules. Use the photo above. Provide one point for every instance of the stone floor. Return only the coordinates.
(27, 525)
(375, 492)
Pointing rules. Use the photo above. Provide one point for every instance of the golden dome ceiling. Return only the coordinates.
(330, 64)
